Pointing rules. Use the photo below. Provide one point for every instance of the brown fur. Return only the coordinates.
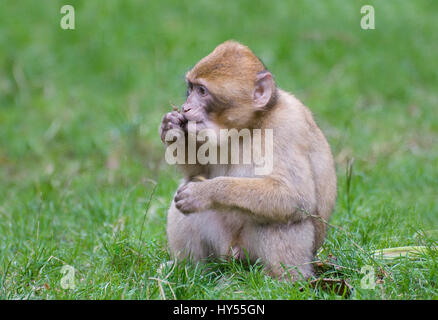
(271, 217)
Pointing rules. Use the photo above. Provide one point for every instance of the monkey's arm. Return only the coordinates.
(287, 194)
(266, 198)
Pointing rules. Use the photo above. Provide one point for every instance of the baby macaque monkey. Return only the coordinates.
(228, 209)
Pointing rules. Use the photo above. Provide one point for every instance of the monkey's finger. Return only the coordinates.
(177, 117)
(174, 113)
(165, 129)
(180, 193)
(174, 120)
(181, 117)
(172, 125)
(179, 197)
(168, 118)
(174, 117)
(183, 188)
(183, 207)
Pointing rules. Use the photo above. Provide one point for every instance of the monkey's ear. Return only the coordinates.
(264, 86)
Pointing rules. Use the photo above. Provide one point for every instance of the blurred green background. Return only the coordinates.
(80, 152)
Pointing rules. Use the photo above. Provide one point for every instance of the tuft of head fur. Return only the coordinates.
(229, 72)
(229, 60)
(231, 66)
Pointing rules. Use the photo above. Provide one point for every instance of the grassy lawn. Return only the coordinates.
(83, 181)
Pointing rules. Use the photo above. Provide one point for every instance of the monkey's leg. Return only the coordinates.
(286, 250)
(196, 236)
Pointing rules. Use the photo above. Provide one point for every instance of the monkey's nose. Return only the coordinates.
(186, 108)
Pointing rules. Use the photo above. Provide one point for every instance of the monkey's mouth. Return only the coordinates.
(197, 117)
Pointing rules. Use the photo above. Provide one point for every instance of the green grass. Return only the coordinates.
(83, 179)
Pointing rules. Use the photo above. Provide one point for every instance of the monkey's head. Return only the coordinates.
(230, 86)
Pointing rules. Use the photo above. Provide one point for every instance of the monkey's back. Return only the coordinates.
(321, 161)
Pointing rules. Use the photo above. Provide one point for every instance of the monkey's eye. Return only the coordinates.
(202, 90)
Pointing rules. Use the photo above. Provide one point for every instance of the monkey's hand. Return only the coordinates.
(173, 120)
(193, 197)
